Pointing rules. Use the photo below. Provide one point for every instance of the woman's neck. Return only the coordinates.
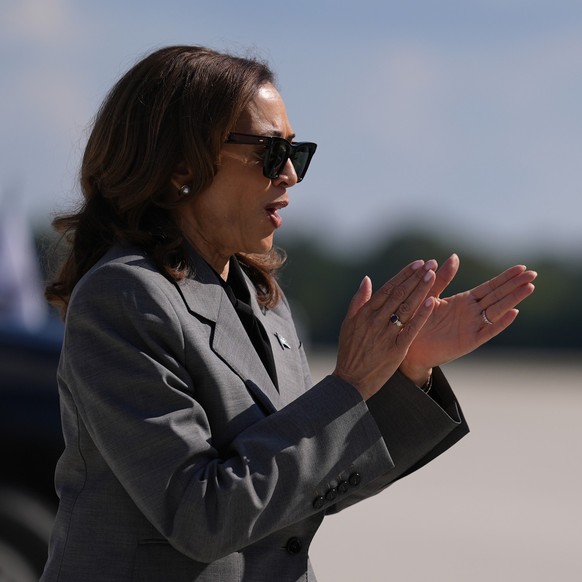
(219, 261)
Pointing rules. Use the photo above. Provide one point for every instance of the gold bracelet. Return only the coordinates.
(427, 385)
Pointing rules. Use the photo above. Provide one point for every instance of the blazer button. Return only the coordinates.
(343, 487)
(355, 479)
(331, 494)
(319, 502)
(294, 545)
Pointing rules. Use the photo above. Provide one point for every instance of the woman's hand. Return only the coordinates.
(371, 345)
(457, 325)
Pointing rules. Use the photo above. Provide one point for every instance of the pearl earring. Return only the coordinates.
(184, 190)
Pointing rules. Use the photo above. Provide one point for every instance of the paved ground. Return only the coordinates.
(505, 504)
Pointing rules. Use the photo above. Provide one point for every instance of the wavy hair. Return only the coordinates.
(176, 105)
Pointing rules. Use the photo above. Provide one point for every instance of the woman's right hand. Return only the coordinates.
(371, 347)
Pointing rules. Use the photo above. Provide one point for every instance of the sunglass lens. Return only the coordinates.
(280, 150)
(276, 158)
(301, 157)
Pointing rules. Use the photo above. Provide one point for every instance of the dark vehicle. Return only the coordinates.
(30, 445)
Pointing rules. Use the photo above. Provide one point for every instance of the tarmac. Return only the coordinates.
(503, 505)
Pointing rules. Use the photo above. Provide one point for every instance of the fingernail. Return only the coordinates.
(428, 276)
(416, 265)
(362, 282)
(432, 264)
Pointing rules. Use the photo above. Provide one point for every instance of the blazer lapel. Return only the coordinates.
(204, 296)
(285, 345)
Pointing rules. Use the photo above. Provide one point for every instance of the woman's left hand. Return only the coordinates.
(457, 325)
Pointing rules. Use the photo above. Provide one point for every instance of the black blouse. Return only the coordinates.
(240, 297)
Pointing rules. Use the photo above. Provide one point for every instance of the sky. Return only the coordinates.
(459, 118)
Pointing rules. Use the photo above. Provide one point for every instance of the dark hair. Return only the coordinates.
(176, 105)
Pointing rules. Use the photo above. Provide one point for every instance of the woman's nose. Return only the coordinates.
(288, 175)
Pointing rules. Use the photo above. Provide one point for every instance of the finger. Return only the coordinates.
(484, 289)
(490, 331)
(361, 297)
(494, 311)
(407, 308)
(445, 275)
(410, 331)
(397, 289)
(508, 288)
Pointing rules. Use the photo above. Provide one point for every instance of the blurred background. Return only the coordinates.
(450, 126)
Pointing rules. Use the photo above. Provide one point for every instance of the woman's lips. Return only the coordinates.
(273, 214)
(274, 217)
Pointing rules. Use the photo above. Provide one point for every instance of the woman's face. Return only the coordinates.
(239, 212)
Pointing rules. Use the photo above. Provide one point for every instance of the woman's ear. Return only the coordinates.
(182, 176)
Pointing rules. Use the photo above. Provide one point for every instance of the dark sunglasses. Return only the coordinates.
(278, 151)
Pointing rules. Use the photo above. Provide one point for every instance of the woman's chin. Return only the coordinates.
(264, 246)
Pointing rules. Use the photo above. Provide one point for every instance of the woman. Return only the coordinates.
(197, 447)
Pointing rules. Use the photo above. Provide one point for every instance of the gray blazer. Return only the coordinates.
(183, 462)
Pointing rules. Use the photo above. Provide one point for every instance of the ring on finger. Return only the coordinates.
(396, 320)
(485, 318)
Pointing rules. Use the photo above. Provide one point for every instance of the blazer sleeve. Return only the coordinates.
(416, 428)
(123, 367)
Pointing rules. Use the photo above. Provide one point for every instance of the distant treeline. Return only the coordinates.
(320, 283)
